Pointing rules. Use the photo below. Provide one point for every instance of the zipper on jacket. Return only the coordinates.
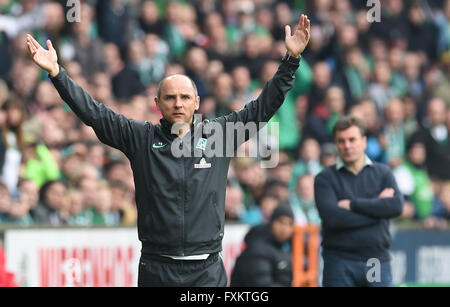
(182, 201)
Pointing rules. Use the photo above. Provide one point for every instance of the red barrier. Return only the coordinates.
(6, 278)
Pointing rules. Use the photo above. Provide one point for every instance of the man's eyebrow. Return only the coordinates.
(181, 94)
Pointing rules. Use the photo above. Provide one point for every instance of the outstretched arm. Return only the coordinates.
(111, 128)
(274, 92)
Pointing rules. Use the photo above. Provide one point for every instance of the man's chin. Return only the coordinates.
(348, 160)
(180, 122)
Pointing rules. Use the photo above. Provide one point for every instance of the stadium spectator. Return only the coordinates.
(89, 189)
(436, 134)
(267, 260)
(412, 76)
(283, 172)
(380, 90)
(40, 165)
(322, 78)
(19, 212)
(52, 208)
(303, 203)
(28, 193)
(234, 206)
(422, 34)
(85, 47)
(366, 111)
(197, 64)
(411, 124)
(78, 215)
(251, 178)
(278, 187)
(308, 161)
(102, 214)
(441, 209)
(242, 83)
(12, 132)
(414, 183)
(261, 212)
(394, 133)
(125, 80)
(5, 203)
(156, 52)
(122, 207)
(113, 19)
(328, 155)
(320, 123)
(356, 72)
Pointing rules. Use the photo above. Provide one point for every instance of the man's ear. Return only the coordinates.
(197, 103)
(157, 102)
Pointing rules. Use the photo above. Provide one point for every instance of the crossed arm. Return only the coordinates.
(358, 212)
(388, 204)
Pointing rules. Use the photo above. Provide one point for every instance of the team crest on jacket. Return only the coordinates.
(202, 164)
(201, 144)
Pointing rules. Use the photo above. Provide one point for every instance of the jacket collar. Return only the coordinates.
(340, 164)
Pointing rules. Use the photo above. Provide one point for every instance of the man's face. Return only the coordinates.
(283, 228)
(178, 100)
(350, 144)
(417, 153)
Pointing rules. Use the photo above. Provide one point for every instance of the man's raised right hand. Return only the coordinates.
(46, 59)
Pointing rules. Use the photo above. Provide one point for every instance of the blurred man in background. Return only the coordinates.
(356, 198)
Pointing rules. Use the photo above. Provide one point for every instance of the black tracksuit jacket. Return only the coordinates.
(181, 208)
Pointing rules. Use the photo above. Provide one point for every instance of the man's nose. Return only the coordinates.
(178, 103)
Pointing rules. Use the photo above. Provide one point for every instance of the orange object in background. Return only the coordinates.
(305, 256)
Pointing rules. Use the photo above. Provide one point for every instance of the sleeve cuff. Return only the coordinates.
(353, 205)
(61, 71)
(291, 59)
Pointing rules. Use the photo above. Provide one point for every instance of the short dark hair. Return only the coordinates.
(346, 122)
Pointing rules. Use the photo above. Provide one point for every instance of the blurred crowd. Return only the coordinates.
(393, 74)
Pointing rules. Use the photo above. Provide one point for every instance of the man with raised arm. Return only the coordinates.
(180, 199)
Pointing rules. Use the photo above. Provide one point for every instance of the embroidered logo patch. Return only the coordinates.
(201, 144)
(159, 145)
